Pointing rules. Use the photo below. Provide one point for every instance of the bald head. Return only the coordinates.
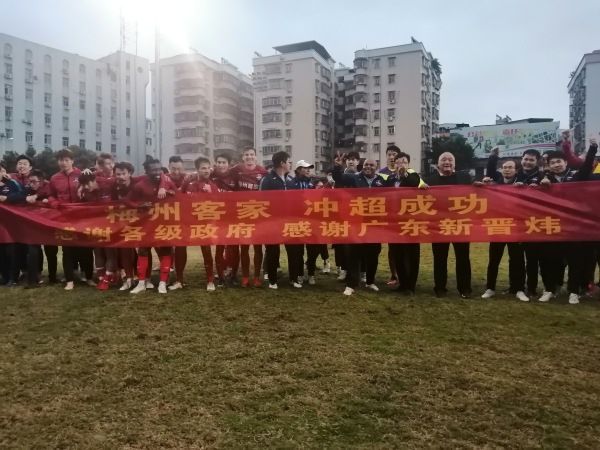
(446, 164)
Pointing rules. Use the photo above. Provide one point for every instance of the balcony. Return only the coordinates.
(361, 121)
(360, 139)
(361, 105)
(360, 88)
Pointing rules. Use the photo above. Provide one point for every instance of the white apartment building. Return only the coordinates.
(206, 108)
(584, 104)
(53, 99)
(293, 95)
(390, 96)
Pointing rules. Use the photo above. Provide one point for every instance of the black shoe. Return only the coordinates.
(439, 293)
(464, 294)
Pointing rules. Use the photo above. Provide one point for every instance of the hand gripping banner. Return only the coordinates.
(565, 212)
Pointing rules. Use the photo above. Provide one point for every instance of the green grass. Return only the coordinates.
(256, 368)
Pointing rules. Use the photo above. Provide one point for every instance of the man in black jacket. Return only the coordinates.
(447, 175)
(366, 178)
(279, 179)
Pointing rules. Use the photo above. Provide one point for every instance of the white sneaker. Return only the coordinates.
(266, 277)
(149, 284)
(373, 287)
(312, 281)
(489, 293)
(210, 286)
(573, 299)
(162, 287)
(348, 291)
(521, 296)
(363, 277)
(342, 275)
(546, 296)
(326, 267)
(297, 285)
(176, 285)
(273, 286)
(141, 287)
(69, 286)
(126, 285)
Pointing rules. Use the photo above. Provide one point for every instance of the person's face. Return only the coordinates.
(154, 172)
(90, 187)
(557, 165)
(287, 165)
(221, 165)
(402, 162)
(65, 164)
(303, 171)
(204, 171)
(319, 185)
(369, 167)
(509, 169)
(446, 163)
(122, 176)
(23, 167)
(34, 182)
(176, 168)
(529, 162)
(391, 158)
(249, 157)
(2, 172)
(106, 166)
(352, 163)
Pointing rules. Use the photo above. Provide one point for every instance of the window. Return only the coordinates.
(47, 140)
(113, 148)
(8, 91)
(82, 87)
(29, 137)
(376, 63)
(128, 96)
(128, 114)
(275, 83)
(82, 124)
(391, 113)
(29, 116)
(8, 113)
(65, 123)
(98, 146)
(65, 65)
(65, 141)
(47, 79)
(376, 97)
(28, 75)
(82, 143)
(99, 92)
(7, 50)
(65, 83)
(288, 67)
(317, 67)
(113, 131)
(392, 96)
(288, 118)
(98, 110)
(82, 69)
(9, 133)
(127, 79)
(391, 130)
(128, 149)
(392, 61)
(28, 94)
(127, 131)
(376, 148)
(288, 100)
(376, 131)
(288, 133)
(376, 114)
(271, 134)
(65, 102)
(377, 81)
(273, 68)
(113, 113)
(98, 127)
(48, 119)
(113, 94)
(288, 150)
(81, 104)
(271, 117)
(271, 101)
(288, 85)
(391, 78)
(270, 149)
(28, 56)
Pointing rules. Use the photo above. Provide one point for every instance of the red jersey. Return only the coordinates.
(102, 194)
(224, 181)
(22, 179)
(178, 180)
(247, 179)
(196, 185)
(63, 187)
(145, 191)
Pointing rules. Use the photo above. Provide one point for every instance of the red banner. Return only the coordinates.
(565, 212)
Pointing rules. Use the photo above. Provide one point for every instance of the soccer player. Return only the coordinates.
(23, 169)
(247, 177)
(366, 178)
(391, 154)
(447, 175)
(64, 186)
(146, 191)
(105, 165)
(202, 183)
(178, 177)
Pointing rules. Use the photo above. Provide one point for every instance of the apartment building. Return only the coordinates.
(293, 101)
(584, 101)
(53, 99)
(391, 95)
(206, 107)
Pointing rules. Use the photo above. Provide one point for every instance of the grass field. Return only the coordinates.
(257, 368)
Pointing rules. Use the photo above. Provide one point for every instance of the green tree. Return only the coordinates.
(458, 146)
(82, 157)
(436, 67)
(10, 161)
(46, 162)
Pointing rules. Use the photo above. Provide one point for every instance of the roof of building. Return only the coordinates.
(300, 46)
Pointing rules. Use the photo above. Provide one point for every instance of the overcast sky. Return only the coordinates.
(509, 57)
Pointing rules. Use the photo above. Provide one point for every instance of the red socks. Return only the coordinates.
(165, 267)
(142, 267)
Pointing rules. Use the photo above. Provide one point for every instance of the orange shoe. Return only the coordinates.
(245, 282)
(257, 282)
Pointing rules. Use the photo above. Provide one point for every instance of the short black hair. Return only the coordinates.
(278, 158)
(201, 160)
(175, 159)
(102, 156)
(393, 148)
(149, 162)
(124, 165)
(86, 178)
(37, 173)
(224, 155)
(64, 153)
(532, 152)
(353, 155)
(25, 157)
(249, 147)
(403, 155)
(555, 154)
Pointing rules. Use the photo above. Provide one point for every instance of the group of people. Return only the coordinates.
(356, 263)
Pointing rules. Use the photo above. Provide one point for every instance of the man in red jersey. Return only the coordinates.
(146, 191)
(224, 254)
(202, 183)
(179, 178)
(247, 177)
(64, 187)
(105, 165)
